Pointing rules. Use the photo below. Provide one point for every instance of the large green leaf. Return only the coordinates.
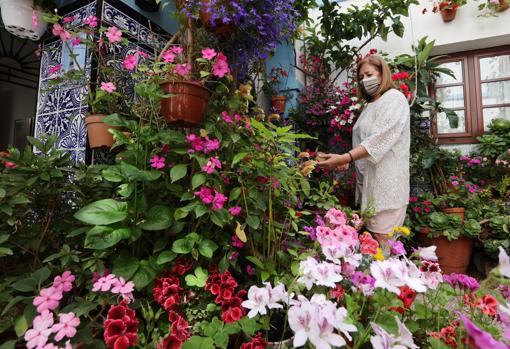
(207, 247)
(125, 265)
(144, 275)
(197, 180)
(103, 212)
(197, 342)
(158, 218)
(183, 245)
(101, 237)
(25, 285)
(178, 171)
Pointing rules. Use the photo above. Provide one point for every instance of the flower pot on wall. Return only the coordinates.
(448, 14)
(17, 19)
(278, 103)
(186, 108)
(218, 28)
(97, 131)
(503, 5)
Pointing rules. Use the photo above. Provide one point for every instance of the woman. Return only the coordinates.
(380, 139)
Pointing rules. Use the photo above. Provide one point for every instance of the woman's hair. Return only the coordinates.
(380, 64)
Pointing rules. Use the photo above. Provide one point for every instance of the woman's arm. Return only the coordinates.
(332, 161)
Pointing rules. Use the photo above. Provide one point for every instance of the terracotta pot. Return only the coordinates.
(97, 131)
(278, 103)
(448, 14)
(187, 107)
(503, 5)
(459, 211)
(454, 256)
(217, 28)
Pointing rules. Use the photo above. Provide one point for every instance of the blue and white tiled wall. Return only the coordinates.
(61, 109)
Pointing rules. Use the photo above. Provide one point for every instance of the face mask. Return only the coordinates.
(370, 85)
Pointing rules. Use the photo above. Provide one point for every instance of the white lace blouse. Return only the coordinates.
(383, 129)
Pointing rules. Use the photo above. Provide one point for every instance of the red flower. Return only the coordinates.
(407, 296)
(170, 342)
(232, 310)
(221, 285)
(400, 310)
(167, 292)
(488, 304)
(337, 293)
(257, 342)
(179, 326)
(120, 327)
(404, 87)
(181, 266)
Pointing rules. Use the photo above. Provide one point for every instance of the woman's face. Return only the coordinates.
(368, 70)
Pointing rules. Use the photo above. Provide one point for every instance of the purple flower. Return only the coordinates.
(397, 247)
(462, 281)
(312, 234)
(479, 337)
(319, 221)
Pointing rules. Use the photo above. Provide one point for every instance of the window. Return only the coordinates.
(479, 93)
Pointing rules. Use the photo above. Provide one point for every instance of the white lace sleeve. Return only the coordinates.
(389, 125)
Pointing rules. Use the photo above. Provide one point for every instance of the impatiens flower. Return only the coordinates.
(58, 30)
(504, 263)
(37, 336)
(108, 87)
(114, 34)
(91, 21)
(66, 327)
(205, 194)
(64, 282)
(427, 253)
(48, 299)
(235, 211)
(226, 117)
(177, 50)
(258, 300)
(480, 338)
(168, 56)
(220, 68)
(76, 41)
(55, 69)
(218, 201)
(211, 145)
(130, 62)
(104, 283)
(208, 53)
(157, 162)
(211, 165)
(124, 288)
(182, 69)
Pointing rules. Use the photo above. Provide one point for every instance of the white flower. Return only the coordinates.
(385, 340)
(427, 253)
(394, 273)
(405, 336)
(258, 300)
(306, 269)
(504, 263)
(276, 294)
(302, 322)
(341, 325)
(327, 274)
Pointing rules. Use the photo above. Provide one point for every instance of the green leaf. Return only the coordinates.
(158, 218)
(102, 212)
(125, 189)
(166, 257)
(240, 233)
(101, 237)
(197, 342)
(234, 194)
(125, 265)
(424, 54)
(12, 303)
(144, 275)
(129, 171)
(249, 326)
(178, 171)
(2, 192)
(238, 157)
(112, 174)
(258, 263)
(183, 246)
(181, 213)
(207, 248)
(25, 285)
(41, 275)
(20, 325)
(253, 221)
(9, 345)
(198, 180)
(198, 279)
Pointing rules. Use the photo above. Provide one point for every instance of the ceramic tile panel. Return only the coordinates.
(122, 21)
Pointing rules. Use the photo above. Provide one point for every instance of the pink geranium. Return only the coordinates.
(58, 30)
(91, 21)
(114, 34)
(336, 217)
(157, 162)
(208, 53)
(48, 299)
(205, 194)
(130, 62)
(218, 201)
(76, 41)
(64, 282)
(235, 211)
(182, 69)
(168, 56)
(104, 283)
(108, 87)
(37, 336)
(66, 327)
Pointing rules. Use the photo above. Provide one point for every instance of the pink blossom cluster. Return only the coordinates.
(43, 325)
(211, 196)
(229, 119)
(346, 109)
(115, 285)
(202, 144)
(212, 164)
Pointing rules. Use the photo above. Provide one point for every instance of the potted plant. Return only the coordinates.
(491, 7)
(448, 8)
(24, 18)
(275, 87)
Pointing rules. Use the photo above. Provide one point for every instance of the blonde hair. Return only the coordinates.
(383, 68)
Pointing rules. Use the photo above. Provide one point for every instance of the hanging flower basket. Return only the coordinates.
(448, 14)
(186, 108)
(278, 103)
(22, 20)
(97, 131)
(218, 28)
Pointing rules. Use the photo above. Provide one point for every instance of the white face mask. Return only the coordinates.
(370, 85)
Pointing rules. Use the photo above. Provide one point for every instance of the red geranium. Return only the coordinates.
(179, 326)
(232, 310)
(181, 266)
(120, 327)
(337, 292)
(407, 296)
(221, 285)
(488, 304)
(257, 342)
(167, 292)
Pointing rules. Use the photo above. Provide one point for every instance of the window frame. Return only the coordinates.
(473, 105)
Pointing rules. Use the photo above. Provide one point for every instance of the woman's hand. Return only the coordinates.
(333, 161)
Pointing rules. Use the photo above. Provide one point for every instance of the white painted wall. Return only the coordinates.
(466, 32)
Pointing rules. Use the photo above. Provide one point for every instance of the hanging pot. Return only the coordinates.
(503, 5)
(97, 131)
(448, 14)
(218, 28)
(278, 103)
(17, 19)
(187, 106)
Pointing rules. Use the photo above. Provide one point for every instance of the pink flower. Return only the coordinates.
(105, 283)
(157, 162)
(76, 41)
(220, 68)
(108, 87)
(114, 34)
(91, 21)
(48, 299)
(336, 217)
(250, 270)
(205, 194)
(211, 165)
(64, 282)
(168, 56)
(455, 183)
(58, 30)
(427, 209)
(413, 199)
(182, 69)
(38, 335)
(69, 19)
(208, 53)
(130, 62)
(35, 21)
(236, 242)
(124, 288)
(211, 145)
(235, 211)
(143, 54)
(55, 69)
(226, 117)
(66, 327)
(177, 50)
(427, 203)
(218, 201)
